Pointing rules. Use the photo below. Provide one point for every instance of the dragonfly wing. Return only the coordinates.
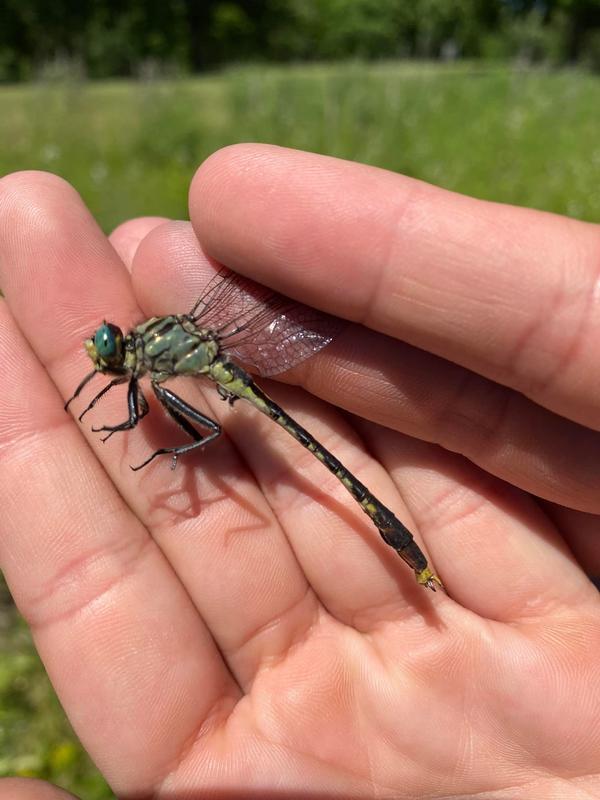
(289, 339)
(267, 332)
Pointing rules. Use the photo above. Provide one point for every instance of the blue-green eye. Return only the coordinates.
(107, 341)
(104, 340)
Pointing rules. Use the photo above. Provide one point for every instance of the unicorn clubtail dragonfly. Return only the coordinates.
(233, 322)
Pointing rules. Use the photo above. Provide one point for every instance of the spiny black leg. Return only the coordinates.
(114, 382)
(138, 408)
(178, 409)
(77, 392)
(186, 426)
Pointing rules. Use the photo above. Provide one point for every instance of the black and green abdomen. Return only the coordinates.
(238, 383)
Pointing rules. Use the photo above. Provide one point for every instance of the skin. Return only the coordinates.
(236, 628)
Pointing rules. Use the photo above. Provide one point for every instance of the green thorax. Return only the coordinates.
(173, 345)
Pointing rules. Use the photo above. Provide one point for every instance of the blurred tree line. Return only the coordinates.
(102, 38)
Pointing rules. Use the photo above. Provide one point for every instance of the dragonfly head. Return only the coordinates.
(106, 349)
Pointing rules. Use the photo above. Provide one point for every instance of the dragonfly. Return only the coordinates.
(234, 321)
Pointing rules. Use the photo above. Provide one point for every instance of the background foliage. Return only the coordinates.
(517, 136)
(107, 38)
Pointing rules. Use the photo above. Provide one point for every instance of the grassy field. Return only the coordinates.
(521, 137)
(529, 138)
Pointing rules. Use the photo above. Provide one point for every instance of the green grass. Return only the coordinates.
(521, 137)
(529, 138)
(35, 737)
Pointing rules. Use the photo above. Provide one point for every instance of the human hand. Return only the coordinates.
(236, 627)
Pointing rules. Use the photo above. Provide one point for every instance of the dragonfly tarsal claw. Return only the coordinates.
(140, 466)
(83, 413)
(101, 430)
(146, 462)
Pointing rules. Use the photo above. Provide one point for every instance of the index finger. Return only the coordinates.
(510, 293)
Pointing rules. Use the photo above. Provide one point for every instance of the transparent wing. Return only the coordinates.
(264, 330)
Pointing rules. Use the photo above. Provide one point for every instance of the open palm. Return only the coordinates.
(236, 627)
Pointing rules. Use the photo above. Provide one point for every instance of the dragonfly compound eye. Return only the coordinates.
(107, 340)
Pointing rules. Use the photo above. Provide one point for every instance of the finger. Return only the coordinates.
(327, 531)
(408, 389)
(424, 396)
(30, 789)
(126, 237)
(506, 292)
(497, 553)
(582, 534)
(109, 616)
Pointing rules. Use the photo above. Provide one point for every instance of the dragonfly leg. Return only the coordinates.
(178, 410)
(225, 395)
(107, 388)
(77, 391)
(138, 408)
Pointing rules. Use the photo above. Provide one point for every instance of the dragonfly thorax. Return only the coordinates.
(174, 345)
